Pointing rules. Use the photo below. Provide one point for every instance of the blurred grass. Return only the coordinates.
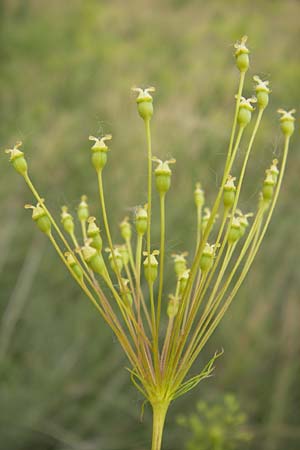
(66, 72)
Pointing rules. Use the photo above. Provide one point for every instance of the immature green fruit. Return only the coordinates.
(245, 111)
(93, 232)
(287, 122)
(17, 159)
(229, 192)
(67, 220)
(124, 254)
(234, 231)
(126, 293)
(141, 220)
(262, 92)
(78, 272)
(151, 266)
(40, 217)
(244, 223)
(93, 258)
(125, 229)
(173, 306)
(83, 209)
(183, 279)
(242, 54)
(144, 102)
(99, 151)
(207, 258)
(268, 186)
(199, 196)
(115, 260)
(163, 175)
(180, 263)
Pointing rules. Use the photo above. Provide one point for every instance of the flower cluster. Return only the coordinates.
(162, 333)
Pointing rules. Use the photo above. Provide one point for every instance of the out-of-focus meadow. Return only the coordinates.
(66, 72)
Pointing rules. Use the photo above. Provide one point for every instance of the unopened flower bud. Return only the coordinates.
(17, 159)
(93, 258)
(99, 151)
(173, 306)
(199, 196)
(242, 54)
(245, 111)
(207, 257)
(151, 266)
(40, 217)
(93, 232)
(115, 260)
(234, 231)
(71, 261)
(67, 220)
(287, 122)
(144, 102)
(262, 92)
(141, 220)
(229, 192)
(180, 264)
(125, 229)
(83, 209)
(163, 175)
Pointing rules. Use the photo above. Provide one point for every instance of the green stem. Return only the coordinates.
(159, 416)
(162, 259)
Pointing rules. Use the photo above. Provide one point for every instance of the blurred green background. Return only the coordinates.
(66, 72)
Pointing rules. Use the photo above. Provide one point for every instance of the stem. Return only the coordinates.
(162, 259)
(159, 416)
(148, 137)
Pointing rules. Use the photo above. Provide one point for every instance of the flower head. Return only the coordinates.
(240, 46)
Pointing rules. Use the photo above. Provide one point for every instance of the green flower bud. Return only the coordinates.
(83, 209)
(287, 120)
(125, 228)
(78, 272)
(40, 217)
(17, 159)
(207, 257)
(262, 92)
(245, 111)
(126, 293)
(229, 192)
(151, 266)
(199, 196)
(99, 151)
(180, 263)
(115, 260)
(173, 306)
(242, 54)
(268, 186)
(93, 258)
(163, 175)
(183, 279)
(93, 232)
(234, 231)
(67, 220)
(141, 220)
(144, 102)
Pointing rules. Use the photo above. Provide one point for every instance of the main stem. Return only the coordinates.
(159, 415)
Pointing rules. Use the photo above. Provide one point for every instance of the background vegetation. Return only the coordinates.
(66, 72)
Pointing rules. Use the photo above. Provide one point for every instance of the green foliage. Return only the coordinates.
(216, 426)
